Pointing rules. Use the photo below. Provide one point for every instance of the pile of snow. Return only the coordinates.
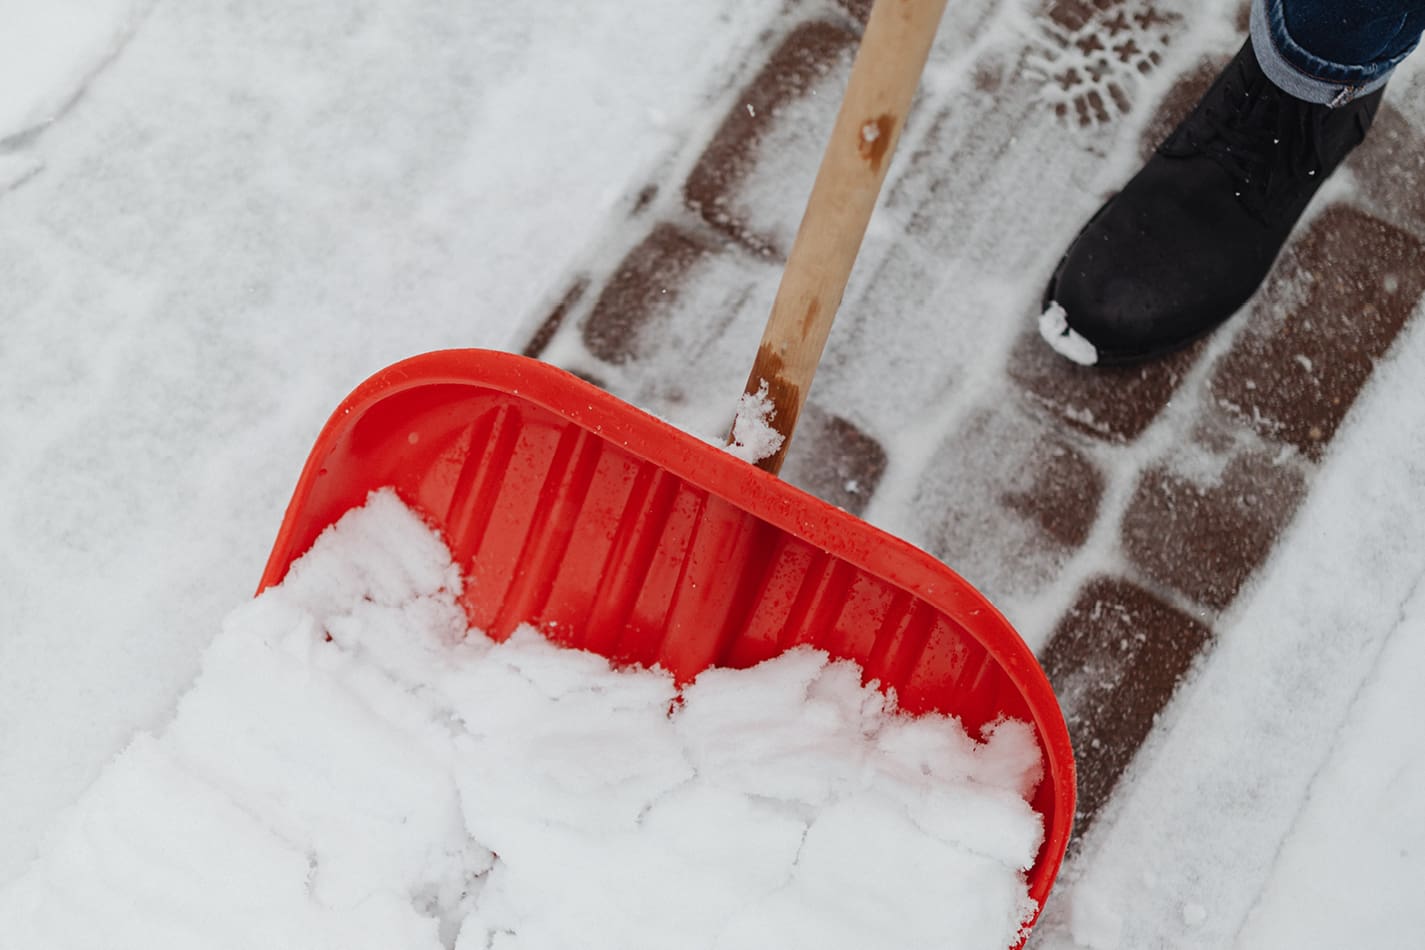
(355, 769)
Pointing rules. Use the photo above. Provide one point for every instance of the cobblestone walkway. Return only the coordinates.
(1113, 515)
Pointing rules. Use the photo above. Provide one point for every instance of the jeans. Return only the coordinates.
(1331, 51)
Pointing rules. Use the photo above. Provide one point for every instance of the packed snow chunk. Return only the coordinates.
(785, 805)
(753, 437)
(49, 49)
(1054, 328)
(355, 768)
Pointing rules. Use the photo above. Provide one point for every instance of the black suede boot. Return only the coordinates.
(1190, 238)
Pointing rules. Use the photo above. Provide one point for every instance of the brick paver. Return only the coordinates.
(1116, 652)
(1345, 290)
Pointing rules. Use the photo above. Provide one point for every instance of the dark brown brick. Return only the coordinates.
(1114, 402)
(645, 286)
(835, 460)
(1062, 498)
(1337, 301)
(1115, 659)
(1204, 534)
(809, 54)
(1009, 500)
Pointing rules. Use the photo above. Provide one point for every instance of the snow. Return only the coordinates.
(1277, 792)
(15, 169)
(215, 220)
(753, 437)
(48, 51)
(353, 768)
(1362, 813)
(1055, 330)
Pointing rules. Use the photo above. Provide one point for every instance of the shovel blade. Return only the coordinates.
(614, 532)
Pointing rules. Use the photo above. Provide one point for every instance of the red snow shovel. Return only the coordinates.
(614, 532)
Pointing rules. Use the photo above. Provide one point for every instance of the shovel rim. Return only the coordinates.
(710, 468)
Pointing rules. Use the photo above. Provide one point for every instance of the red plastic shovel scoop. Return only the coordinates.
(614, 532)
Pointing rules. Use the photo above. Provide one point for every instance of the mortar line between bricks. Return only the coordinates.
(1102, 555)
(1122, 466)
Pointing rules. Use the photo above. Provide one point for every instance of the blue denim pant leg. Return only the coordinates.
(1331, 51)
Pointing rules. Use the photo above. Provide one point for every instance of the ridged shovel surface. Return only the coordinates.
(614, 532)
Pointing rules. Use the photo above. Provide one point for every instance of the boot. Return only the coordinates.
(1190, 238)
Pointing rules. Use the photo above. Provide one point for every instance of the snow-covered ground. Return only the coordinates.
(216, 219)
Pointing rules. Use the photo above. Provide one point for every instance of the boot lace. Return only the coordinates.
(1272, 145)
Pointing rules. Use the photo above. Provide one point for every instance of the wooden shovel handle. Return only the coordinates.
(883, 81)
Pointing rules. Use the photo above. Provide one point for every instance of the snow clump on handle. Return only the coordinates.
(753, 438)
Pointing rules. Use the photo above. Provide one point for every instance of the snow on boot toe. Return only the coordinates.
(1193, 234)
(1054, 328)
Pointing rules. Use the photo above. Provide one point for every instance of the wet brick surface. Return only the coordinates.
(644, 288)
(835, 460)
(1115, 659)
(1295, 371)
(555, 319)
(1203, 537)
